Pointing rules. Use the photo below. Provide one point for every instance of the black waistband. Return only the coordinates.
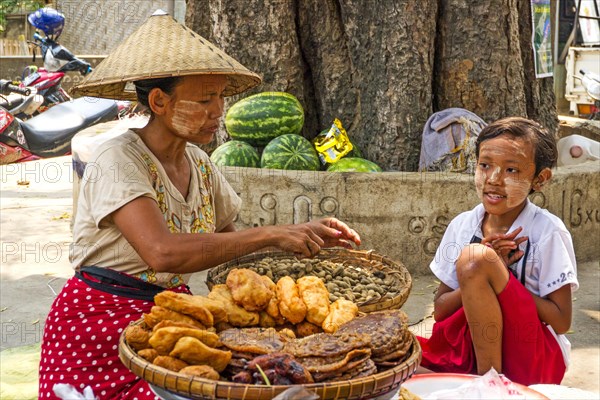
(117, 283)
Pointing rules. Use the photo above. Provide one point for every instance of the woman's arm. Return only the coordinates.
(556, 310)
(142, 224)
(446, 302)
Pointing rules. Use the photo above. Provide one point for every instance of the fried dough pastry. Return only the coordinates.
(273, 306)
(184, 304)
(248, 289)
(163, 340)
(137, 337)
(265, 320)
(158, 314)
(170, 363)
(341, 311)
(236, 315)
(305, 328)
(253, 340)
(316, 297)
(148, 354)
(216, 307)
(201, 371)
(291, 305)
(193, 351)
(165, 323)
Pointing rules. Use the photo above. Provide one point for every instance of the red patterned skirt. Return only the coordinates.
(81, 339)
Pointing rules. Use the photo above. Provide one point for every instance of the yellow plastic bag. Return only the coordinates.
(333, 144)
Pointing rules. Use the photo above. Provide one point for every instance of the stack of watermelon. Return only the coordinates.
(265, 129)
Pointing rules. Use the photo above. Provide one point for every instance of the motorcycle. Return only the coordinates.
(591, 83)
(57, 59)
(22, 106)
(49, 134)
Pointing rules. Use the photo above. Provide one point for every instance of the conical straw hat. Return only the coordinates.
(161, 47)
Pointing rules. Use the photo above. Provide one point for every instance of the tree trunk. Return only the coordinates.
(382, 67)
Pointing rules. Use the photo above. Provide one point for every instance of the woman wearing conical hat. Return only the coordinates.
(152, 207)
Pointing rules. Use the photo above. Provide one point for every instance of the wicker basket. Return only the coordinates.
(365, 260)
(198, 388)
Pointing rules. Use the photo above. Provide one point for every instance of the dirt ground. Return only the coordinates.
(35, 215)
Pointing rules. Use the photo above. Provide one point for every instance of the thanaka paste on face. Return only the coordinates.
(516, 187)
(189, 117)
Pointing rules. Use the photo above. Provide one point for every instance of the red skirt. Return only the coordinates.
(81, 339)
(530, 352)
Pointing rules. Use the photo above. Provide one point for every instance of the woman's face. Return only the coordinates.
(196, 105)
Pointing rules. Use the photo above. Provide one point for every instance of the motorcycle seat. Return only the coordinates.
(49, 134)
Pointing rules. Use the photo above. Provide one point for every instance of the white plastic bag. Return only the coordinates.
(488, 386)
(68, 392)
(296, 393)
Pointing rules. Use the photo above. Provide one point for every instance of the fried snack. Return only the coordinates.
(216, 308)
(236, 315)
(265, 320)
(406, 394)
(291, 305)
(164, 339)
(193, 351)
(201, 371)
(148, 354)
(273, 306)
(316, 297)
(165, 323)
(341, 311)
(248, 289)
(158, 314)
(170, 363)
(184, 304)
(137, 337)
(305, 328)
(287, 332)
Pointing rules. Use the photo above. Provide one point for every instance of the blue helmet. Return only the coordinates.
(48, 20)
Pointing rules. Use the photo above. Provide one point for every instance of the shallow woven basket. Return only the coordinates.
(367, 260)
(198, 388)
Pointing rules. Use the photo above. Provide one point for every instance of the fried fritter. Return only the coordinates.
(273, 306)
(216, 307)
(265, 320)
(341, 311)
(253, 340)
(291, 305)
(148, 354)
(305, 328)
(316, 297)
(158, 314)
(387, 329)
(201, 371)
(184, 304)
(193, 351)
(165, 323)
(248, 289)
(137, 337)
(163, 340)
(170, 363)
(236, 315)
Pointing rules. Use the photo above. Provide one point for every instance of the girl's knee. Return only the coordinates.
(475, 259)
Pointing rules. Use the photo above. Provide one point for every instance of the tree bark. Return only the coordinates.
(382, 67)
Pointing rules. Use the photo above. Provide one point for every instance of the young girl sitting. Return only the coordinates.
(507, 267)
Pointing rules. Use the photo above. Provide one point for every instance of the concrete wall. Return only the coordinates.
(404, 215)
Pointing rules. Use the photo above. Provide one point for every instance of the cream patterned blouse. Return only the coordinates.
(124, 169)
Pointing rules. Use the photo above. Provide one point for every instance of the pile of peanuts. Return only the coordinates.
(342, 280)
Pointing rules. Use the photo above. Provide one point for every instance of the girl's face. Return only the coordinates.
(505, 174)
(196, 105)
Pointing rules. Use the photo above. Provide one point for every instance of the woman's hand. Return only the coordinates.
(306, 240)
(506, 245)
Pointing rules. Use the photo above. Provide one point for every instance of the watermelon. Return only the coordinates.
(259, 118)
(236, 153)
(354, 164)
(290, 152)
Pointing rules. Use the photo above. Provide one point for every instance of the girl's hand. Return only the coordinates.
(506, 245)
